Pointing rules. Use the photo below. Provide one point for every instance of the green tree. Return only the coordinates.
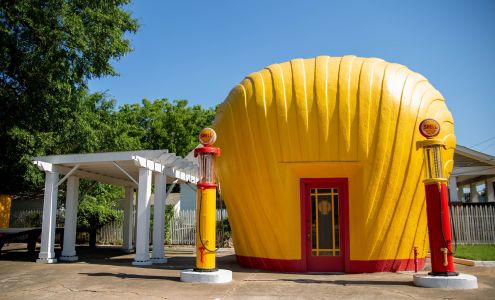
(167, 125)
(98, 208)
(48, 51)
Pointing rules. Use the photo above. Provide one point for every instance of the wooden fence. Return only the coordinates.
(474, 224)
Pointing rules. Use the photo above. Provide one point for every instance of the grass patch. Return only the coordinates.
(476, 252)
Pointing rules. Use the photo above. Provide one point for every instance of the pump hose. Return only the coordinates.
(199, 224)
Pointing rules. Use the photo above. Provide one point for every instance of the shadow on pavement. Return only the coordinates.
(351, 282)
(132, 276)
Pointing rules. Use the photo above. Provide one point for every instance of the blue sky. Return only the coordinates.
(198, 50)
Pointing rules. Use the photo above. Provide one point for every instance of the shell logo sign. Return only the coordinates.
(429, 128)
(346, 118)
(207, 136)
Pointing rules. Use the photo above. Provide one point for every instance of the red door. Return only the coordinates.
(324, 223)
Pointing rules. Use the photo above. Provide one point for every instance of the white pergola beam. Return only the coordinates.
(147, 163)
(97, 177)
(100, 157)
(125, 172)
(45, 166)
(68, 174)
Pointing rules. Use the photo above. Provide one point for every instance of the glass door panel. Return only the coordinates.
(325, 222)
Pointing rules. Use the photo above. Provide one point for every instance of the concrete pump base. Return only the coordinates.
(220, 276)
(462, 281)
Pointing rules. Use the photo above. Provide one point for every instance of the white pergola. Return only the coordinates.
(130, 169)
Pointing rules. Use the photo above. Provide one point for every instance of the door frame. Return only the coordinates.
(305, 184)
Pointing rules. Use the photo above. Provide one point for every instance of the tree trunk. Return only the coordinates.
(92, 238)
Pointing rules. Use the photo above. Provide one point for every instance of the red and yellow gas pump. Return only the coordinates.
(206, 202)
(437, 206)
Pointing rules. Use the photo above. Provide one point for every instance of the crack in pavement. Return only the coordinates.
(237, 285)
(112, 291)
(72, 290)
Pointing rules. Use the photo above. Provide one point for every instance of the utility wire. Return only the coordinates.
(489, 146)
(482, 142)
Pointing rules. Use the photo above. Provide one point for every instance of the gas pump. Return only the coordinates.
(206, 202)
(442, 273)
(205, 270)
(437, 206)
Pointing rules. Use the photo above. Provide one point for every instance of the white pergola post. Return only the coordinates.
(453, 189)
(71, 203)
(128, 220)
(157, 256)
(47, 252)
(142, 256)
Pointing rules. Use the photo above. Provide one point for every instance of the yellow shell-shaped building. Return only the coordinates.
(319, 167)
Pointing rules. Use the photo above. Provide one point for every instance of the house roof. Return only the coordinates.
(469, 164)
(120, 168)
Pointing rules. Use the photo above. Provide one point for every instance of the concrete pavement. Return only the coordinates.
(106, 273)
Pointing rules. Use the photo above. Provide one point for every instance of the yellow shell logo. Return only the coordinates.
(207, 136)
(429, 128)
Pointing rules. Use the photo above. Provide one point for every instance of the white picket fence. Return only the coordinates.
(474, 224)
(182, 227)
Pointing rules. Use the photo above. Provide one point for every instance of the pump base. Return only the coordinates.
(462, 281)
(443, 274)
(204, 270)
(219, 276)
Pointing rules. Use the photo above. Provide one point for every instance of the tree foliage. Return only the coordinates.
(167, 125)
(48, 51)
(98, 209)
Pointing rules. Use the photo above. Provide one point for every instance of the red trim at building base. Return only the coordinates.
(279, 265)
(386, 265)
(354, 266)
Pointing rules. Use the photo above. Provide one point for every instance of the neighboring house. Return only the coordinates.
(172, 199)
(188, 191)
(473, 177)
(187, 197)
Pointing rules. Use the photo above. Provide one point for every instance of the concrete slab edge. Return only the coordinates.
(473, 263)
(484, 263)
